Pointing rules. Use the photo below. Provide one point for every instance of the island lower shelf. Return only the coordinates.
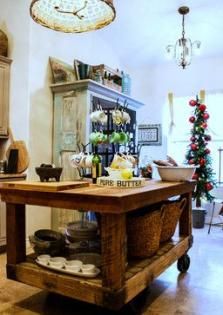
(139, 274)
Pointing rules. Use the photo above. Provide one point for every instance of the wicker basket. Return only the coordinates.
(172, 212)
(143, 233)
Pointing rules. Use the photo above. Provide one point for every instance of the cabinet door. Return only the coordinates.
(4, 97)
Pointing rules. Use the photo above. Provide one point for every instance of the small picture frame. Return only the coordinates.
(150, 134)
(61, 71)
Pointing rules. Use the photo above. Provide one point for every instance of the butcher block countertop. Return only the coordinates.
(93, 197)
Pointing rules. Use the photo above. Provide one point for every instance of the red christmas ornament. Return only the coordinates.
(207, 138)
(204, 125)
(207, 151)
(206, 116)
(202, 161)
(192, 103)
(193, 146)
(208, 186)
(192, 139)
(202, 107)
(192, 119)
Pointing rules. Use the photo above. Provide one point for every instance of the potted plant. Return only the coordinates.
(199, 154)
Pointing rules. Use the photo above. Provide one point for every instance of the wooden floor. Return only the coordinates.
(198, 292)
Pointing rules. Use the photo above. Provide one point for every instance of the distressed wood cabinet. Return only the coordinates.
(4, 95)
(72, 106)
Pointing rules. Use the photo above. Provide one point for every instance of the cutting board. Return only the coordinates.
(23, 155)
(45, 186)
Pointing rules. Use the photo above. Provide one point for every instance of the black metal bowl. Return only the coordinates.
(46, 241)
(45, 173)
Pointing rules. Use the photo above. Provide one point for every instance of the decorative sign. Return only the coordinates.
(150, 134)
(107, 181)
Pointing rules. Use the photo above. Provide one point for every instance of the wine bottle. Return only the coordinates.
(96, 166)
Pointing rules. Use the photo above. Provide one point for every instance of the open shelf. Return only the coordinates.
(139, 274)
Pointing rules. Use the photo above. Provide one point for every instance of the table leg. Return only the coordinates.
(185, 226)
(113, 243)
(15, 223)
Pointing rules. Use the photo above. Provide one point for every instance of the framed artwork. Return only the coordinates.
(61, 71)
(150, 134)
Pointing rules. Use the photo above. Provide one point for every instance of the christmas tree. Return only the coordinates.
(199, 153)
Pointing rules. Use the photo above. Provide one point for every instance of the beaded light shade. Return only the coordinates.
(73, 16)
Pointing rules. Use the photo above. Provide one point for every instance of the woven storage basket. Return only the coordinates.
(143, 233)
(172, 212)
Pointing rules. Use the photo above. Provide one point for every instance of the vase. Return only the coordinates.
(198, 216)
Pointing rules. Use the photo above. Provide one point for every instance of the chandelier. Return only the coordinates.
(73, 16)
(184, 49)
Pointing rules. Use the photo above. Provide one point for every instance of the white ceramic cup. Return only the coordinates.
(88, 160)
(88, 268)
(73, 265)
(57, 262)
(76, 159)
(125, 118)
(44, 259)
(98, 116)
(117, 116)
(82, 161)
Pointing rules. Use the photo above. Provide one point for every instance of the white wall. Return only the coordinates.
(14, 21)
(151, 85)
(31, 104)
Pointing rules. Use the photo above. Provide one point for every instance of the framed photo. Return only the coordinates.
(150, 134)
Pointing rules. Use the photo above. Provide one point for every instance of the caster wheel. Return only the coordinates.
(183, 263)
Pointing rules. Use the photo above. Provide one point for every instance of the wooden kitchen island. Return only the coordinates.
(118, 282)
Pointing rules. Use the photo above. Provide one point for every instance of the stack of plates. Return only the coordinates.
(81, 231)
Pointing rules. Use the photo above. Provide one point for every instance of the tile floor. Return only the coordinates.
(197, 292)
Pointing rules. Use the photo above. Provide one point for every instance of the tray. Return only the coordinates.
(107, 181)
(63, 270)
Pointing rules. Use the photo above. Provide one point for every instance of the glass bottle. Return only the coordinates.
(96, 166)
(105, 79)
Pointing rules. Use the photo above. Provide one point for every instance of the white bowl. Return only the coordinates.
(88, 268)
(73, 265)
(44, 259)
(176, 173)
(113, 172)
(57, 262)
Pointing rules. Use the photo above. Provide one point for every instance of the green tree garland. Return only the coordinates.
(199, 154)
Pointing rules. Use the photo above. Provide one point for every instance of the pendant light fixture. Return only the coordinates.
(184, 49)
(73, 16)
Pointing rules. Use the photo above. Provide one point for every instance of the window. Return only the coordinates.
(179, 138)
